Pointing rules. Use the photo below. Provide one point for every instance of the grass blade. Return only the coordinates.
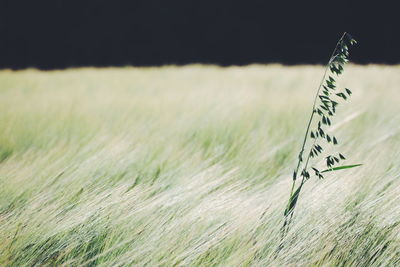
(342, 168)
(293, 201)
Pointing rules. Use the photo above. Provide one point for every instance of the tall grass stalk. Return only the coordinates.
(324, 107)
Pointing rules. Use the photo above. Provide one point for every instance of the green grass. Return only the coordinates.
(191, 166)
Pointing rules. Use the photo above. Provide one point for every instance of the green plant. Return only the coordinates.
(324, 107)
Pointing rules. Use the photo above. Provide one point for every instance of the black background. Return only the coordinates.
(60, 33)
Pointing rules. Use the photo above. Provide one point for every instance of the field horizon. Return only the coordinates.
(191, 166)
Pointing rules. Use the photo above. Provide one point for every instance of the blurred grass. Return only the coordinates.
(190, 166)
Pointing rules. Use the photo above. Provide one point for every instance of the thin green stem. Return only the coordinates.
(300, 157)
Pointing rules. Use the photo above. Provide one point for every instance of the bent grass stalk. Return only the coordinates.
(324, 107)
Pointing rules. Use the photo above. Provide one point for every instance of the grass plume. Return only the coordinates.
(324, 108)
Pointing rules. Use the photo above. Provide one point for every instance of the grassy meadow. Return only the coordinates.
(192, 166)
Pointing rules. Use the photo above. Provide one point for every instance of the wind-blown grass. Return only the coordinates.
(190, 166)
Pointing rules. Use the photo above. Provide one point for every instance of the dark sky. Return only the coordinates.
(65, 33)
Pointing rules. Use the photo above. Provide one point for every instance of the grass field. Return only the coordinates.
(191, 166)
